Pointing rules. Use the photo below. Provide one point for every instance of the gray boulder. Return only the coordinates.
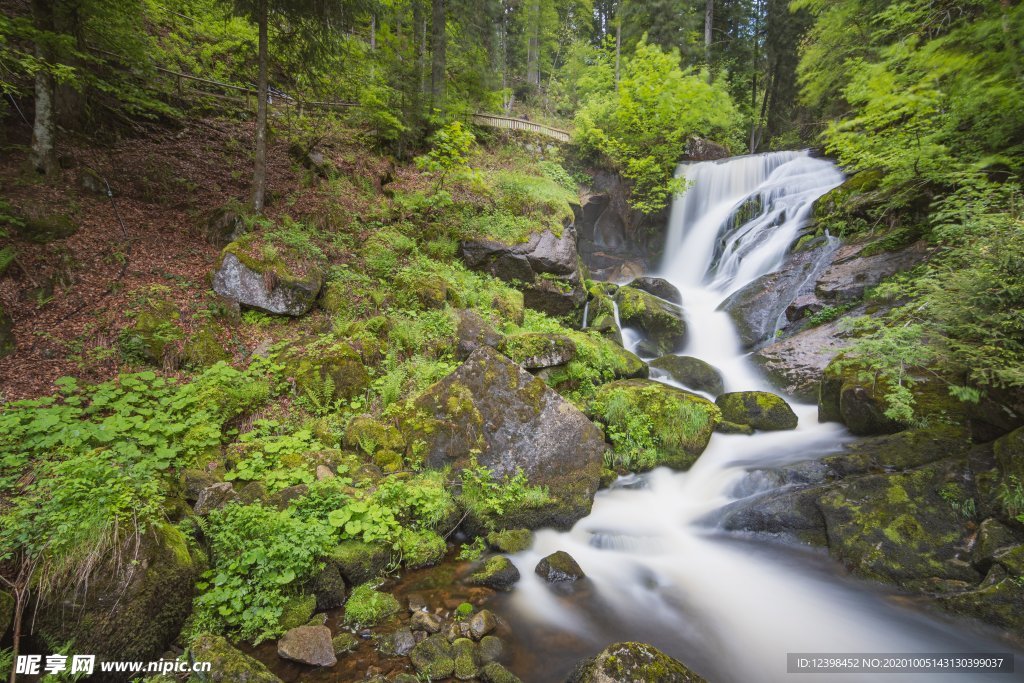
(659, 287)
(660, 321)
(851, 272)
(691, 372)
(474, 331)
(264, 289)
(308, 645)
(559, 566)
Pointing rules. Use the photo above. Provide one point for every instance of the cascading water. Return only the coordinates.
(658, 571)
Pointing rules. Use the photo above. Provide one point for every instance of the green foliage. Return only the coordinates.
(259, 557)
(366, 606)
(1011, 496)
(489, 499)
(829, 313)
(364, 520)
(471, 552)
(276, 461)
(642, 127)
(449, 151)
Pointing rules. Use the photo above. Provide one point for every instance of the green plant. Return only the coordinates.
(489, 498)
(471, 552)
(259, 557)
(829, 313)
(449, 151)
(276, 461)
(365, 520)
(1011, 496)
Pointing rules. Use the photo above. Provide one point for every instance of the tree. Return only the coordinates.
(44, 151)
(439, 53)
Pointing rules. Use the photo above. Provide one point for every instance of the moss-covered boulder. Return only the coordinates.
(260, 277)
(297, 611)
(759, 409)
(1009, 453)
(154, 334)
(328, 587)
(325, 368)
(660, 321)
(434, 657)
(380, 441)
(360, 562)
(536, 350)
(421, 548)
(510, 540)
(492, 411)
(670, 426)
(466, 665)
(133, 610)
(42, 226)
(497, 572)
(203, 349)
(367, 606)
(600, 316)
(474, 331)
(492, 672)
(691, 372)
(559, 567)
(7, 345)
(226, 224)
(631, 662)
(227, 663)
(854, 397)
(659, 287)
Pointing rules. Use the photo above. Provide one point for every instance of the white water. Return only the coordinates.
(657, 569)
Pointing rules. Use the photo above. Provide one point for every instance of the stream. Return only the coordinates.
(727, 605)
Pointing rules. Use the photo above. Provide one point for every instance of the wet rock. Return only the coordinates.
(660, 321)
(490, 650)
(497, 572)
(996, 602)
(474, 331)
(227, 664)
(264, 286)
(852, 272)
(510, 540)
(464, 652)
(344, 642)
(496, 673)
(492, 410)
(659, 287)
(681, 421)
(482, 623)
(631, 662)
(397, 644)
(329, 588)
(434, 657)
(854, 398)
(796, 364)
(691, 372)
(759, 409)
(559, 566)
(426, 621)
(308, 645)
(214, 497)
(536, 350)
(993, 537)
(360, 562)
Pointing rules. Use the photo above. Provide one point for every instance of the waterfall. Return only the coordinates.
(658, 570)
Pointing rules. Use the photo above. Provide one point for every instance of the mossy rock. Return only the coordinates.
(492, 672)
(154, 334)
(227, 663)
(328, 587)
(692, 373)
(726, 427)
(679, 423)
(367, 606)
(203, 349)
(7, 345)
(631, 662)
(473, 331)
(422, 548)
(326, 369)
(370, 436)
(497, 572)
(131, 612)
(297, 611)
(660, 321)
(996, 602)
(420, 290)
(510, 540)
(43, 228)
(559, 567)
(360, 562)
(269, 282)
(7, 604)
(464, 654)
(659, 287)
(536, 350)
(850, 395)
(434, 657)
(1009, 453)
(344, 642)
(601, 318)
(758, 409)
(226, 224)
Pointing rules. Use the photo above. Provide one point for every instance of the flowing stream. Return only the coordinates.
(658, 570)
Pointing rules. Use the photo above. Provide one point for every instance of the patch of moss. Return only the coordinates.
(227, 664)
(758, 409)
(421, 548)
(360, 562)
(203, 349)
(510, 540)
(155, 331)
(367, 606)
(433, 657)
(326, 368)
(297, 611)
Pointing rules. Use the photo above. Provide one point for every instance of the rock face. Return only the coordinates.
(699, 149)
(632, 662)
(660, 321)
(227, 664)
(681, 422)
(536, 350)
(856, 401)
(225, 224)
(514, 421)
(129, 613)
(659, 287)
(691, 372)
(559, 567)
(756, 308)
(308, 645)
(256, 286)
(796, 364)
(547, 264)
(759, 409)
(473, 332)
(852, 272)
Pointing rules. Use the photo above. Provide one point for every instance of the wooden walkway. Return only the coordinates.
(247, 97)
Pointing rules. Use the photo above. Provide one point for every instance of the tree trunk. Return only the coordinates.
(533, 45)
(709, 22)
(44, 132)
(259, 176)
(439, 56)
(618, 50)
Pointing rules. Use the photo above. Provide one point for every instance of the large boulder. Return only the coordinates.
(546, 266)
(600, 316)
(308, 645)
(757, 308)
(492, 410)
(659, 287)
(855, 267)
(325, 368)
(497, 572)
(660, 321)
(630, 663)
(852, 396)
(759, 409)
(691, 372)
(677, 427)
(267, 283)
(133, 610)
(559, 567)
(796, 364)
(227, 663)
(474, 331)
(538, 350)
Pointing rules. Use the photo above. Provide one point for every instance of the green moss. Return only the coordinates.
(227, 664)
(153, 335)
(464, 652)
(510, 540)
(203, 349)
(434, 657)
(330, 370)
(360, 562)
(369, 435)
(367, 606)
(297, 611)
(421, 548)
(497, 572)
(496, 673)
(758, 409)
(538, 349)
(344, 642)
(661, 321)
